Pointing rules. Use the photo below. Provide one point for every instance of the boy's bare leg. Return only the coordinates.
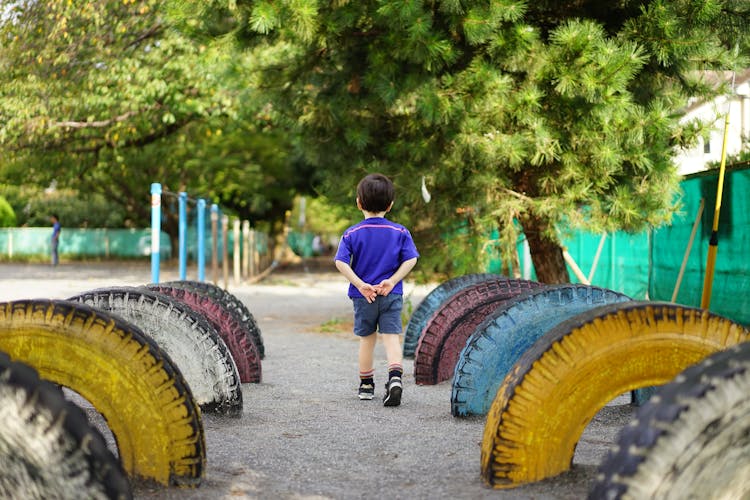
(366, 352)
(393, 352)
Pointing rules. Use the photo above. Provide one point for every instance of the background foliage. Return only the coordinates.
(521, 118)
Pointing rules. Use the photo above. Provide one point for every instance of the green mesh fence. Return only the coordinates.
(110, 243)
(646, 266)
(730, 295)
(622, 265)
(104, 243)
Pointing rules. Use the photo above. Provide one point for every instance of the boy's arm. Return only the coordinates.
(385, 286)
(366, 289)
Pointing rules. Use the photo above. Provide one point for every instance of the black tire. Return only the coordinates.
(237, 338)
(123, 373)
(691, 440)
(432, 301)
(445, 334)
(234, 305)
(190, 341)
(75, 462)
(498, 343)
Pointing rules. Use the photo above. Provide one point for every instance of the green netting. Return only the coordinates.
(622, 265)
(647, 265)
(730, 295)
(105, 243)
(301, 243)
(109, 243)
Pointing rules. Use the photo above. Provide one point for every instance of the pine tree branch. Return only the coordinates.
(517, 195)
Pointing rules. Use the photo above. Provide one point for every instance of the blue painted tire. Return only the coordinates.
(503, 337)
(432, 301)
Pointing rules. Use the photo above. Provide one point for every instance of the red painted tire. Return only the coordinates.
(446, 333)
(234, 305)
(431, 302)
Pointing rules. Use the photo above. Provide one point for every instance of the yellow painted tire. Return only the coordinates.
(570, 373)
(123, 373)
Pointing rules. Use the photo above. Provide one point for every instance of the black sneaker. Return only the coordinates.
(366, 391)
(393, 391)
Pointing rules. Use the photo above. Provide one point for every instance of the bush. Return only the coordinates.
(7, 214)
(33, 207)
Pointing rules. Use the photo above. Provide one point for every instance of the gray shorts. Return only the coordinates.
(383, 315)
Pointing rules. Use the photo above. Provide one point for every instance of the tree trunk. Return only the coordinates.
(546, 254)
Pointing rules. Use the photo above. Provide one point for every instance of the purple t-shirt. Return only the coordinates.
(375, 248)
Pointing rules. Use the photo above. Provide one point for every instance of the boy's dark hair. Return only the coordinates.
(375, 193)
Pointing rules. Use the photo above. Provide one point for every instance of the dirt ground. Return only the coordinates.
(303, 433)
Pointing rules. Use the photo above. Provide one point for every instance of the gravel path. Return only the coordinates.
(303, 433)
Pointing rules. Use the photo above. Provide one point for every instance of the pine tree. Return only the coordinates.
(537, 117)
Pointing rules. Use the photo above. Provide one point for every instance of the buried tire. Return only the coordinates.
(558, 385)
(691, 440)
(192, 344)
(232, 304)
(508, 332)
(235, 336)
(48, 449)
(430, 304)
(446, 333)
(131, 382)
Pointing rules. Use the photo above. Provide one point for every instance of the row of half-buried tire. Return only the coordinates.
(186, 317)
(28, 329)
(688, 334)
(484, 325)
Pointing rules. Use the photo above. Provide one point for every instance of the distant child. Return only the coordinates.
(55, 238)
(375, 255)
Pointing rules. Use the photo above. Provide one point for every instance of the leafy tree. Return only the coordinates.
(555, 115)
(82, 77)
(107, 97)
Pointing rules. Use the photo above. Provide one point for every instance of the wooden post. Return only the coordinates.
(225, 249)
(246, 248)
(236, 255)
(687, 250)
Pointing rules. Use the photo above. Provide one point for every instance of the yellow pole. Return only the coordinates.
(713, 243)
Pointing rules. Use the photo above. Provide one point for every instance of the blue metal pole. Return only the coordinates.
(155, 230)
(183, 234)
(201, 239)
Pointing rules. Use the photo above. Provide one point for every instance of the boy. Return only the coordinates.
(375, 255)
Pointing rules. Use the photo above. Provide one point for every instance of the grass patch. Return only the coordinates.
(336, 325)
